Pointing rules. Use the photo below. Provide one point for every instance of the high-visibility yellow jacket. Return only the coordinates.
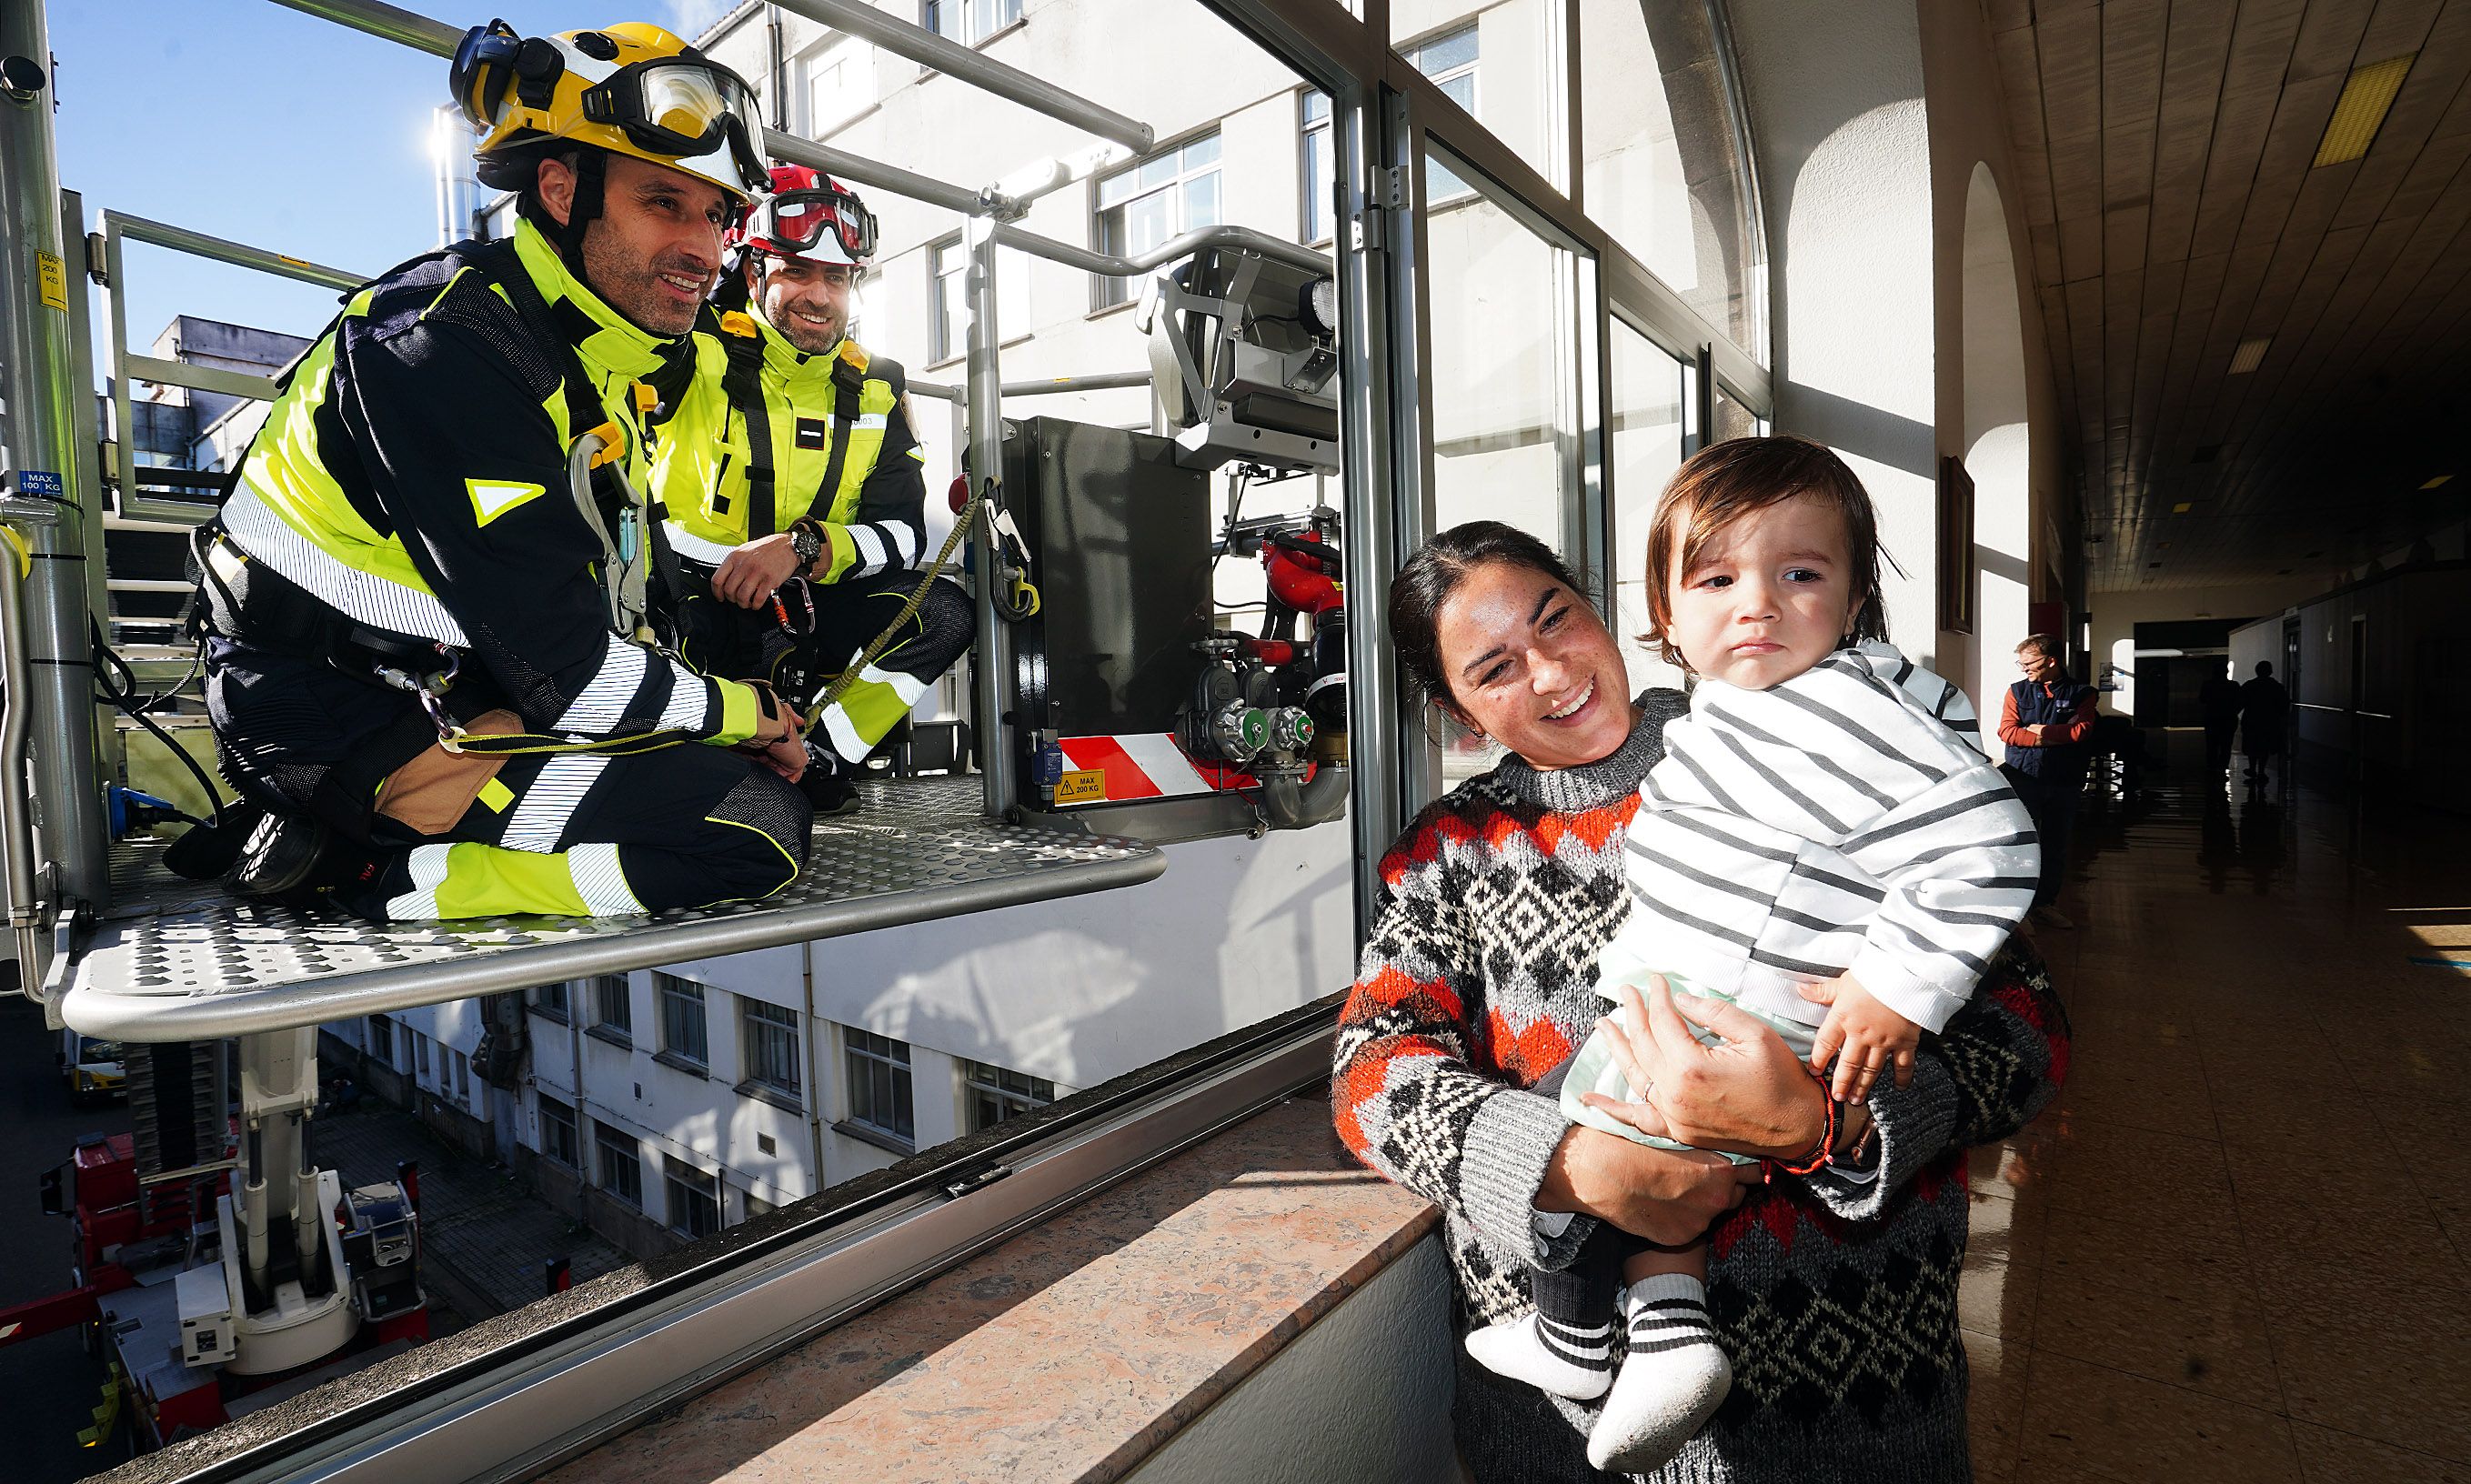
(413, 476)
(727, 477)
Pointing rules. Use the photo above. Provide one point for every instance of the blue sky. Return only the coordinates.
(259, 123)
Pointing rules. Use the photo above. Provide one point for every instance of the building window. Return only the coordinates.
(380, 1040)
(1320, 176)
(550, 999)
(879, 1084)
(1449, 61)
(682, 1033)
(558, 1132)
(613, 1005)
(771, 1046)
(695, 1200)
(420, 1052)
(1145, 204)
(462, 1077)
(996, 1093)
(968, 21)
(838, 86)
(948, 315)
(622, 1163)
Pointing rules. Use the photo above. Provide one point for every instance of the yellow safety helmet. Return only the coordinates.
(630, 89)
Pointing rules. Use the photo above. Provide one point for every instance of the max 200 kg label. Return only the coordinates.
(1081, 788)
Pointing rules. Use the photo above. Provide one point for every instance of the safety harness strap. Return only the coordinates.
(741, 381)
(849, 386)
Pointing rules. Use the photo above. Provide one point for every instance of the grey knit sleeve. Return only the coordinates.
(1997, 1064)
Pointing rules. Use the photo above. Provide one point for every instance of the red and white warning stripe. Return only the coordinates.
(1135, 766)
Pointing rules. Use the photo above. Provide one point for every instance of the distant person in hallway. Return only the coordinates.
(1823, 845)
(2218, 702)
(1476, 983)
(2047, 722)
(2264, 721)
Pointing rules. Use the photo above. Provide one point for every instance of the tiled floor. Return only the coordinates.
(2239, 1245)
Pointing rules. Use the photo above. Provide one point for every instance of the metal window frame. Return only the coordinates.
(666, 987)
(624, 986)
(633, 1147)
(856, 1066)
(1103, 284)
(756, 1026)
(573, 1124)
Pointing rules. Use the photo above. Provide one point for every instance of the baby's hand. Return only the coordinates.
(1860, 1036)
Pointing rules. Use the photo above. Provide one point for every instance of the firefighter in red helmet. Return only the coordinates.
(795, 489)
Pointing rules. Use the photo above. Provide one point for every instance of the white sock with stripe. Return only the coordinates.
(1671, 1381)
(1567, 1361)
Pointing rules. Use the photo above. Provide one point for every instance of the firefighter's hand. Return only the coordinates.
(786, 756)
(750, 574)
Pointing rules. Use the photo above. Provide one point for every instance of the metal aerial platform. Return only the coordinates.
(180, 960)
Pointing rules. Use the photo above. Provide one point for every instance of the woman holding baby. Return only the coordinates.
(1717, 1236)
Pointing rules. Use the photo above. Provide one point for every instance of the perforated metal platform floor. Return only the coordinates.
(175, 960)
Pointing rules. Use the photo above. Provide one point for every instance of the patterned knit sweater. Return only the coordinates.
(1834, 1297)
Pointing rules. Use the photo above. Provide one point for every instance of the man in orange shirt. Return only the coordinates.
(2047, 722)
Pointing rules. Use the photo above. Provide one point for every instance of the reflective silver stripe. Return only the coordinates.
(373, 600)
(428, 866)
(600, 883)
(602, 705)
(685, 543)
(905, 537)
(870, 550)
(691, 701)
(850, 747)
(550, 802)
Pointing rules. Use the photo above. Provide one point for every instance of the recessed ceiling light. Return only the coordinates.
(2367, 96)
(2249, 355)
(2182, 507)
(2439, 480)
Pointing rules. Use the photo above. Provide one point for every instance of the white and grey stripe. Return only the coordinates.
(374, 601)
(600, 883)
(427, 867)
(548, 806)
(1833, 823)
(871, 557)
(607, 700)
(691, 701)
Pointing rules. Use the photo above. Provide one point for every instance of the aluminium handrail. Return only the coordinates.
(1199, 239)
(1043, 385)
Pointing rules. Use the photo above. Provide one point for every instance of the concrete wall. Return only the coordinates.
(1363, 1396)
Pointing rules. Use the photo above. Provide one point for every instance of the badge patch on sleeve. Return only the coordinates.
(493, 497)
(814, 433)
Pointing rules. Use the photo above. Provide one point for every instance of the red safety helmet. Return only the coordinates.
(808, 214)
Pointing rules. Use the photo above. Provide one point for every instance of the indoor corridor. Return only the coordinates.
(2235, 1247)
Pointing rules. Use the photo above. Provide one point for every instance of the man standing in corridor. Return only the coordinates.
(2047, 720)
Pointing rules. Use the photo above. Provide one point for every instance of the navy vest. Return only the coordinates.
(2060, 765)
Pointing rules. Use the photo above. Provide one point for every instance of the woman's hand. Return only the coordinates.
(1751, 1095)
(1669, 1196)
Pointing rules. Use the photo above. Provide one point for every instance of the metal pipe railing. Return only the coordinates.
(380, 20)
(991, 657)
(903, 38)
(1043, 385)
(16, 808)
(1112, 266)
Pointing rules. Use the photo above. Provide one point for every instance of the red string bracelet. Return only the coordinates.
(1826, 1150)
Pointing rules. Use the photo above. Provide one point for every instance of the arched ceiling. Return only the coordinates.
(2167, 160)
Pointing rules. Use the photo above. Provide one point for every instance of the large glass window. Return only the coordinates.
(694, 1198)
(995, 1094)
(968, 21)
(1650, 391)
(948, 271)
(682, 1021)
(1663, 158)
(557, 1131)
(1143, 205)
(621, 1161)
(1451, 61)
(771, 1049)
(613, 1005)
(1320, 169)
(879, 1083)
(838, 85)
(1515, 45)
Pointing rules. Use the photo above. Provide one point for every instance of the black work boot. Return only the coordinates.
(295, 859)
(827, 787)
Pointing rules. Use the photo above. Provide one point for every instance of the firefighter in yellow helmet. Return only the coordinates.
(427, 650)
(795, 489)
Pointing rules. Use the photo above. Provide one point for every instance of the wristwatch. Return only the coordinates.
(807, 540)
